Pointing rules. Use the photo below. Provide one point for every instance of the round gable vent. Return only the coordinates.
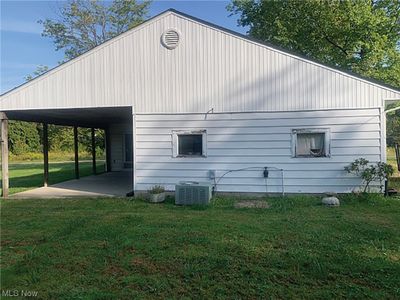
(170, 39)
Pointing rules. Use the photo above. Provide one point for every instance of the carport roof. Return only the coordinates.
(84, 117)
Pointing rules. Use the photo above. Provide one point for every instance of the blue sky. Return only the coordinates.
(23, 47)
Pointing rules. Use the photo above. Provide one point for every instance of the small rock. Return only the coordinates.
(331, 201)
(330, 194)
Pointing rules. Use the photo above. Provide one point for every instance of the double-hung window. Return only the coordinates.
(311, 142)
(189, 143)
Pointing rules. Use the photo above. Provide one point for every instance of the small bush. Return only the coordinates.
(369, 172)
(157, 189)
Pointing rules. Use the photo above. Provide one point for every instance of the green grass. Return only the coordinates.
(121, 249)
(28, 175)
(25, 176)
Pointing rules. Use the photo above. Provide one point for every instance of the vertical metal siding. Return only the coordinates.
(209, 69)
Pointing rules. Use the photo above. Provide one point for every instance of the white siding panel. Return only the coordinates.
(229, 147)
(117, 132)
(210, 69)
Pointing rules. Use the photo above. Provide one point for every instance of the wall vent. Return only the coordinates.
(170, 39)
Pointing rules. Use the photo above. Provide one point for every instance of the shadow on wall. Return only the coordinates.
(250, 94)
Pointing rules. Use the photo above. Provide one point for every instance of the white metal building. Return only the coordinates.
(180, 97)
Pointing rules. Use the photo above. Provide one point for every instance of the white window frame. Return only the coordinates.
(175, 142)
(327, 142)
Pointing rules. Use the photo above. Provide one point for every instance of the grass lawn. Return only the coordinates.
(121, 249)
(29, 175)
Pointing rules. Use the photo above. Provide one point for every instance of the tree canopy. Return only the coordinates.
(362, 36)
(84, 24)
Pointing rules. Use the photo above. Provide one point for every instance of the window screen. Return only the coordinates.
(190, 144)
(310, 144)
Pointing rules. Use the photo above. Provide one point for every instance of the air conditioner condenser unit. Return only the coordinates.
(191, 192)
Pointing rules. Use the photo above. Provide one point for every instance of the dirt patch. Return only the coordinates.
(144, 265)
(251, 204)
(12, 244)
(115, 271)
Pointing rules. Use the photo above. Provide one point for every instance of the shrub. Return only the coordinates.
(369, 172)
(157, 189)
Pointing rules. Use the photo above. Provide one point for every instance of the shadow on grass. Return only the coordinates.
(394, 183)
(24, 176)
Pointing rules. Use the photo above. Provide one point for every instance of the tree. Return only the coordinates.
(40, 69)
(85, 24)
(23, 137)
(361, 36)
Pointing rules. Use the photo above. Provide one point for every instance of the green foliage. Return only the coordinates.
(23, 137)
(369, 172)
(85, 24)
(362, 36)
(157, 189)
(61, 138)
(85, 140)
(40, 69)
(26, 139)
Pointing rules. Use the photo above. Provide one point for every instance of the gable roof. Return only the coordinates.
(219, 28)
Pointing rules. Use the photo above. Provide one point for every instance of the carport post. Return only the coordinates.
(94, 151)
(76, 152)
(108, 150)
(4, 154)
(45, 155)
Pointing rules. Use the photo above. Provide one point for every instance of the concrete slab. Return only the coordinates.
(113, 184)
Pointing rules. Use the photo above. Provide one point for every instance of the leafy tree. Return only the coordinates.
(23, 137)
(85, 24)
(362, 36)
(40, 69)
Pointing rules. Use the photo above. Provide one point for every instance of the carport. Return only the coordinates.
(115, 182)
